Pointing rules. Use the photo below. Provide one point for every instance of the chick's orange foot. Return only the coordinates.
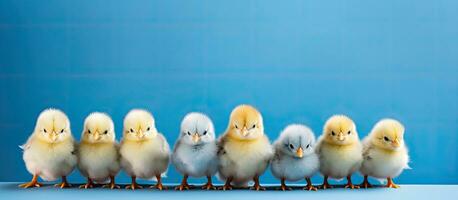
(208, 186)
(87, 186)
(111, 186)
(183, 186)
(159, 186)
(365, 183)
(32, 183)
(63, 184)
(390, 184)
(284, 188)
(310, 188)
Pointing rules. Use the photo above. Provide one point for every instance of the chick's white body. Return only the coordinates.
(196, 161)
(98, 162)
(243, 160)
(339, 161)
(295, 169)
(285, 165)
(50, 160)
(380, 163)
(145, 159)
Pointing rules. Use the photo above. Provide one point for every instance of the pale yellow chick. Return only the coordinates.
(385, 154)
(340, 150)
(50, 151)
(98, 157)
(245, 150)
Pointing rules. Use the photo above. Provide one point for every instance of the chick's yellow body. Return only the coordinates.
(98, 161)
(339, 161)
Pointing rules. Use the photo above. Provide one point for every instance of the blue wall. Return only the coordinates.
(297, 61)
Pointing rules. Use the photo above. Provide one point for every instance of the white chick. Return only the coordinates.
(98, 157)
(339, 150)
(295, 157)
(50, 151)
(244, 150)
(195, 150)
(144, 151)
(385, 154)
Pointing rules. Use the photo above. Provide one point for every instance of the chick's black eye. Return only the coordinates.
(236, 126)
(332, 133)
(45, 130)
(61, 131)
(89, 131)
(386, 138)
(132, 130)
(105, 132)
(349, 132)
(254, 126)
(205, 133)
(308, 145)
(148, 129)
(291, 146)
(189, 133)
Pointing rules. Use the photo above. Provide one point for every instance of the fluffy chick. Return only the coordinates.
(295, 157)
(98, 157)
(384, 152)
(244, 150)
(50, 151)
(195, 150)
(339, 150)
(144, 151)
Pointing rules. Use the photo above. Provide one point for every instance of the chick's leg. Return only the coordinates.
(112, 184)
(309, 185)
(64, 183)
(184, 184)
(159, 185)
(227, 185)
(350, 184)
(209, 185)
(89, 184)
(283, 185)
(366, 183)
(390, 183)
(325, 183)
(32, 183)
(256, 185)
(134, 184)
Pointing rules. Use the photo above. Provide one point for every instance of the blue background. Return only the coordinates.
(297, 61)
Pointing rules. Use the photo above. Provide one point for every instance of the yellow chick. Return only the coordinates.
(339, 150)
(49, 152)
(244, 149)
(144, 151)
(385, 154)
(98, 157)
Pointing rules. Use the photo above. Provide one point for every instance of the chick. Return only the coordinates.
(295, 157)
(195, 150)
(144, 151)
(339, 150)
(244, 150)
(384, 152)
(50, 151)
(98, 157)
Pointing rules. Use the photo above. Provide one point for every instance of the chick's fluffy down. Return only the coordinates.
(98, 162)
(243, 160)
(145, 159)
(49, 161)
(196, 161)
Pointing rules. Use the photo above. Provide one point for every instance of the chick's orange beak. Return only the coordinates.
(195, 137)
(53, 136)
(300, 152)
(140, 134)
(395, 143)
(244, 132)
(340, 137)
(97, 136)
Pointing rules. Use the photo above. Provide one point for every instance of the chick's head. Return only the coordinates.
(139, 125)
(296, 141)
(340, 130)
(245, 123)
(388, 134)
(53, 126)
(197, 128)
(98, 128)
